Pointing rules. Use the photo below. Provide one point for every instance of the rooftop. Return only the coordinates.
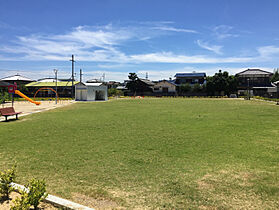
(250, 72)
(194, 74)
(148, 82)
(50, 84)
(17, 77)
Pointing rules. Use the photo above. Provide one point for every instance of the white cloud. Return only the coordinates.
(103, 44)
(167, 28)
(169, 57)
(268, 51)
(223, 32)
(214, 48)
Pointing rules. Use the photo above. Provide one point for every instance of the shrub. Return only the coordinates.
(6, 178)
(21, 203)
(37, 192)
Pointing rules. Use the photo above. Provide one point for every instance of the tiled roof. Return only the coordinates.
(190, 75)
(148, 82)
(253, 72)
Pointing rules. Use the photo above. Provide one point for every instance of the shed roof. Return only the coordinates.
(190, 75)
(50, 84)
(17, 77)
(95, 84)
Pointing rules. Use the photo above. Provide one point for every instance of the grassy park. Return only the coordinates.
(151, 153)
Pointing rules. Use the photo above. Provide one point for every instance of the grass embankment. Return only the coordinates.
(152, 153)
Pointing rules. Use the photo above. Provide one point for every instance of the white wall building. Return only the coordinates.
(91, 92)
(164, 86)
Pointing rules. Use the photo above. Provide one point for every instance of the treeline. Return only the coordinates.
(220, 84)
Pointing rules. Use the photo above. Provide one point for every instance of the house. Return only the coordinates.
(145, 86)
(165, 87)
(91, 92)
(113, 84)
(255, 80)
(190, 78)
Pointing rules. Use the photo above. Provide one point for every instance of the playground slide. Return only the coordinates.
(27, 98)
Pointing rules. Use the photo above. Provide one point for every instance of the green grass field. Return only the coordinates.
(151, 153)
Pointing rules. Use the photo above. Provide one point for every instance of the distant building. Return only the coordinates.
(190, 78)
(165, 87)
(257, 81)
(94, 81)
(21, 81)
(64, 89)
(112, 84)
(146, 86)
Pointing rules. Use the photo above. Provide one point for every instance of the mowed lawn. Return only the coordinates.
(151, 153)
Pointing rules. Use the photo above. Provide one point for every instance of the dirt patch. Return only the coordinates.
(9, 203)
(231, 189)
(95, 203)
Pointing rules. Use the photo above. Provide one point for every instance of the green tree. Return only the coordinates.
(275, 76)
(197, 88)
(115, 92)
(221, 82)
(133, 83)
(184, 88)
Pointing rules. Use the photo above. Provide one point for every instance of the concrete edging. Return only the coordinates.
(56, 201)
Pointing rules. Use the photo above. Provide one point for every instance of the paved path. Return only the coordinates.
(29, 108)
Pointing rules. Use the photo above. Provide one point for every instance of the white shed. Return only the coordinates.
(91, 92)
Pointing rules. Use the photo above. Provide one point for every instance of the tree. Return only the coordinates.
(221, 82)
(133, 83)
(115, 92)
(184, 88)
(275, 76)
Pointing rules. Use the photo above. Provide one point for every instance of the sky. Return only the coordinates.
(158, 37)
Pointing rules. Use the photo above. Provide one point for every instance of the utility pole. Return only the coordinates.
(73, 60)
(248, 89)
(80, 75)
(55, 71)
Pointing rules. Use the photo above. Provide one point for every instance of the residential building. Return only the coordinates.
(257, 81)
(165, 87)
(190, 78)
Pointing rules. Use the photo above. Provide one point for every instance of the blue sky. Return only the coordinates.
(116, 37)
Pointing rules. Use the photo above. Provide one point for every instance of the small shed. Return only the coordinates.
(91, 92)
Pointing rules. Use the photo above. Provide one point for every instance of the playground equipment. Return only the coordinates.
(13, 89)
(46, 89)
(27, 98)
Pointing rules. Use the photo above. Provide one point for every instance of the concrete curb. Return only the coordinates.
(56, 201)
